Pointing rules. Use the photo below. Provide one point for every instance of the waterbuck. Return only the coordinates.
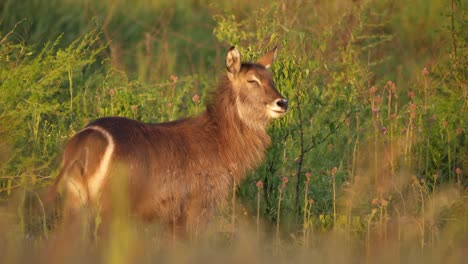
(176, 172)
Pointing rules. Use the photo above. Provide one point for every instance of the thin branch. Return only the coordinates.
(11, 31)
(454, 40)
(328, 135)
(301, 156)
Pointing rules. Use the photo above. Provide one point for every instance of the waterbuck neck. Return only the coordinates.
(242, 145)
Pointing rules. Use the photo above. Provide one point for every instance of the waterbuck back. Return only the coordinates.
(175, 172)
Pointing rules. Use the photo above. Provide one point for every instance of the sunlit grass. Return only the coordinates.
(367, 167)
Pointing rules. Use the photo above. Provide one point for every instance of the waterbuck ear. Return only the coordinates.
(233, 63)
(268, 58)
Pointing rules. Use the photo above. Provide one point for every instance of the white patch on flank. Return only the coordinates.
(97, 180)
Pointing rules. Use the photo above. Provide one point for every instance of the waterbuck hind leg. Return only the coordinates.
(76, 197)
(83, 164)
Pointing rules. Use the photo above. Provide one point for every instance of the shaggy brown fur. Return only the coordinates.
(176, 172)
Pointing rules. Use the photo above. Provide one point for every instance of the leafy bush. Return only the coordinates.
(372, 152)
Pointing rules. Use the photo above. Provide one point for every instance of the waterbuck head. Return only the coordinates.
(256, 98)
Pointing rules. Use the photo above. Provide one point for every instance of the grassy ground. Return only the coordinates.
(368, 166)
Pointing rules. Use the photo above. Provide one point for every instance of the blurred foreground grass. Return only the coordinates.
(373, 149)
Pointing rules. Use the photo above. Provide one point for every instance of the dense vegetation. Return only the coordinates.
(370, 162)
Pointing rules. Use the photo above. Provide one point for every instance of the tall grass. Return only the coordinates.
(373, 149)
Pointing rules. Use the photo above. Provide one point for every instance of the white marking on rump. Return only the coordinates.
(97, 180)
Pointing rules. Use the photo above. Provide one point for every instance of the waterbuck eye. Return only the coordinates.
(254, 81)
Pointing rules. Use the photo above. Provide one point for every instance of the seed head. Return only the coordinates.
(384, 202)
(392, 87)
(411, 95)
(308, 175)
(334, 170)
(425, 71)
(284, 181)
(196, 98)
(458, 171)
(259, 184)
(111, 92)
(372, 90)
(311, 201)
(174, 79)
(375, 201)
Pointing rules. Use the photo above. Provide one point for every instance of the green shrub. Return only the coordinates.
(374, 145)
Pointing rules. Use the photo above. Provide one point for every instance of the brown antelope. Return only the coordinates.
(176, 172)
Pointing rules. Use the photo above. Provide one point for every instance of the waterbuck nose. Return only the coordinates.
(283, 103)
